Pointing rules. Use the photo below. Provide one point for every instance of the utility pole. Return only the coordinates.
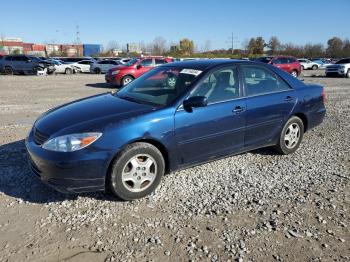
(232, 41)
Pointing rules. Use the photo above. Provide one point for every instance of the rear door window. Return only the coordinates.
(160, 61)
(258, 80)
(147, 62)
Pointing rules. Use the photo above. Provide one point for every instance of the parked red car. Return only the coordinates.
(287, 63)
(123, 74)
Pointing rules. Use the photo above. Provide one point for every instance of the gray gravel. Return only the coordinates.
(256, 206)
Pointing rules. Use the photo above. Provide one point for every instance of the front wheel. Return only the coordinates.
(68, 71)
(347, 75)
(136, 172)
(8, 70)
(97, 70)
(314, 67)
(294, 73)
(126, 80)
(291, 136)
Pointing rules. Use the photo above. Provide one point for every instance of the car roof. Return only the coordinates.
(204, 64)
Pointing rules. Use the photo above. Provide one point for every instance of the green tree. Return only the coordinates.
(186, 46)
(274, 45)
(335, 47)
(259, 45)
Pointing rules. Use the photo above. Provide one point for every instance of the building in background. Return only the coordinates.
(91, 49)
(12, 45)
(133, 48)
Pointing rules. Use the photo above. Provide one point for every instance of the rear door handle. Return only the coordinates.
(238, 109)
(289, 99)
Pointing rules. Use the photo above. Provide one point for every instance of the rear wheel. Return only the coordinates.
(97, 70)
(302, 67)
(347, 75)
(294, 73)
(291, 136)
(314, 67)
(136, 172)
(68, 71)
(8, 70)
(126, 80)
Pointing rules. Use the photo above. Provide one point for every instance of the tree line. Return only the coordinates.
(255, 46)
(335, 48)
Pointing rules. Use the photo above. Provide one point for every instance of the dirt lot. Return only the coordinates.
(257, 206)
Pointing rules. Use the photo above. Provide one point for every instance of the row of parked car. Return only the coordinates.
(26, 64)
(294, 66)
(121, 71)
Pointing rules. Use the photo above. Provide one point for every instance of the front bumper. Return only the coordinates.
(74, 172)
(335, 71)
(112, 79)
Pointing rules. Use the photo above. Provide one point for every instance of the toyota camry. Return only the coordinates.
(175, 116)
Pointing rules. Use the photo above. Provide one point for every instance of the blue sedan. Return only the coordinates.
(175, 116)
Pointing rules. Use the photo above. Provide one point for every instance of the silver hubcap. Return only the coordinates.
(139, 173)
(127, 80)
(172, 81)
(294, 74)
(292, 135)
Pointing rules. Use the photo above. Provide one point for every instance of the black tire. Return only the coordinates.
(282, 146)
(314, 67)
(8, 70)
(68, 71)
(347, 75)
(126, 80)
(97, 70)
(38, 68)
(302, 67)
(294, 73)
(115, 182)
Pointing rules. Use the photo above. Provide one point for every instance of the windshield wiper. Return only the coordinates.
(139, 101)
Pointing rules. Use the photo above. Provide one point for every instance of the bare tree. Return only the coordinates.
(206, 46)
(159, 46)
(113, 44)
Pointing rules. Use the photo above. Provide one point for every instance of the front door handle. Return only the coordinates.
(238, 109)
(289, 99)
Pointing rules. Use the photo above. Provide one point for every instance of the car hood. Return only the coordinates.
(89, 114)
(121, 67)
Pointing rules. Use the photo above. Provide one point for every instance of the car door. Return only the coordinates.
(217, 129)
(16, 63)
(144, 66)
(270, 101)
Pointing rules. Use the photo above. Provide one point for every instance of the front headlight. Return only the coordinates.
(115, 72)
(72, 142)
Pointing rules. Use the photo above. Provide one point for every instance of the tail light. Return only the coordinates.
(324, 98)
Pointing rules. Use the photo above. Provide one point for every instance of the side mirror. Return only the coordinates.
(139, 66)
(195, 101)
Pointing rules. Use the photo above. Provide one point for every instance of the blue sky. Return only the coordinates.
(100, 21)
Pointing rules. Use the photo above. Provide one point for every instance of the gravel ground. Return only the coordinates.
(256, 206)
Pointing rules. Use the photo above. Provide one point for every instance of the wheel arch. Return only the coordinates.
(161, 147)
(303, 118)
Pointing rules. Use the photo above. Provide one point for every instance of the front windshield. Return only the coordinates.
(343, 61)
(160, 86)
(132, 62)
(36, 59)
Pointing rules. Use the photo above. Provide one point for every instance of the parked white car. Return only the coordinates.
(82, 66)
(340, 68)
(103, 66)
(61, 68)
(308, 64)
